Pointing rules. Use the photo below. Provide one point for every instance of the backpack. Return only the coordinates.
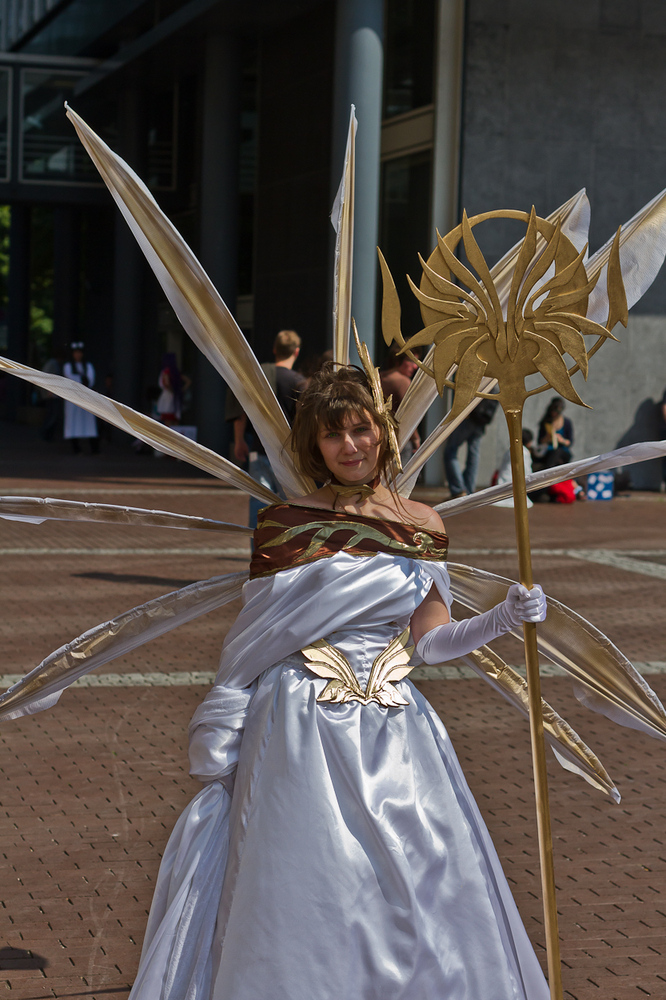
(483, 412)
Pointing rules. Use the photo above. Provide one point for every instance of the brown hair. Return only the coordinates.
(285, 344)
(335, 393)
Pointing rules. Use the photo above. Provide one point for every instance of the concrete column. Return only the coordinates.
(445, 166)
(448, 99)
(218, 212)
(359, 58)
(66, 278)
(128, 266)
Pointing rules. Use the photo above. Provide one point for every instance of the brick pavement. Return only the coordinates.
(90, 790)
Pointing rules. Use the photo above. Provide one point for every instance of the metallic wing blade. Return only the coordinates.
(41, 688)
(342, 218)
(642, 451)
(604, 679)
(642, 252)
(157, 435)
(36, 510)
(197, 304)
(569, 749)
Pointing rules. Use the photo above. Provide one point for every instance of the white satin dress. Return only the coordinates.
(335, 851)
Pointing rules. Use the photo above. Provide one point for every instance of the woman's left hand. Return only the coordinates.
(523, 605)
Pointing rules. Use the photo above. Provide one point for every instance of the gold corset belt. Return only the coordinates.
(391, 664)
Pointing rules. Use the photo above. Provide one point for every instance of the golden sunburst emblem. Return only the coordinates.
(507, 337)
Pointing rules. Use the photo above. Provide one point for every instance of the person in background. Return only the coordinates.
(172, 385)
(555, 433)
(503, 475)
(396, 378)
(80, 424)
(286, 384)
(469, 432)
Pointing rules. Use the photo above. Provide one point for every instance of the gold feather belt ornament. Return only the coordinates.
(392, 664)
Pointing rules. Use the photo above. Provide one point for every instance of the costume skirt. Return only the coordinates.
(351, 862)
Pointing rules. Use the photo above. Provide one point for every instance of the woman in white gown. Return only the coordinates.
(335, 852)
(79, 423)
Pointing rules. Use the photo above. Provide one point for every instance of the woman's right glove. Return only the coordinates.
(446, 642)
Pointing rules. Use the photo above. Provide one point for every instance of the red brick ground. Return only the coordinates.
(90, 790)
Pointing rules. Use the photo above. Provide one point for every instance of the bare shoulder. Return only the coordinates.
(421, 514)
(320, 498)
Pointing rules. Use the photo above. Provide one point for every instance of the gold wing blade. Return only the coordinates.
(42, 687)
(342, 218)
(197, 303)
(36, 510)
(569, 749)
(642, 451)
(605, 680)
(150, 431)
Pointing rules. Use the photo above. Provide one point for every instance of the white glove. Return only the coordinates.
(446, 642)
(522, 605)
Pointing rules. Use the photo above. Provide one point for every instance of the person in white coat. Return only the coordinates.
(78, 422)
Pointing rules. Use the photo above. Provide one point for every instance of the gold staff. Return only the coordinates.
(545, 319)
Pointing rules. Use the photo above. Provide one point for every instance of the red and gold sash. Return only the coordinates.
(290, 535)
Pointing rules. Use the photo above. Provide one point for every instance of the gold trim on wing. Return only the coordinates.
(570, 750)
(117, 637)
(391, 665)
(604, 679)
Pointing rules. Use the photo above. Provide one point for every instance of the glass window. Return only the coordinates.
(162, 114)
(405, 227)
(50, 148)
(5, 98)
(75, 27)
(409, 55)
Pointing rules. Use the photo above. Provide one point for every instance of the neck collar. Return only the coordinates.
(360, 490)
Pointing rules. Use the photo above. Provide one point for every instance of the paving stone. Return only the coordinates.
(91, 789)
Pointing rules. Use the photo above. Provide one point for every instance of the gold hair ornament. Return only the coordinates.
(382, 406)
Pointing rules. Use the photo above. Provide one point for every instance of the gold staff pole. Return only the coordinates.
(514, 421)
(509, 332)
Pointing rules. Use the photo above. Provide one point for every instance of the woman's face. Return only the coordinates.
(351, 454)
(77, 354)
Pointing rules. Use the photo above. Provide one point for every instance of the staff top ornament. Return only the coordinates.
(543, 318)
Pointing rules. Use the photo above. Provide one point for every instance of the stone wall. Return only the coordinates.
(559, 97)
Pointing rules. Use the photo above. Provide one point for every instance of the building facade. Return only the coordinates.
(235, 114)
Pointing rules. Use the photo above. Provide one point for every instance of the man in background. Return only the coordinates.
(396, 378)
(286, 384)
(469, 432)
